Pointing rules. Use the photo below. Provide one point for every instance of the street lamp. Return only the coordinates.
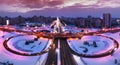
(7, 22)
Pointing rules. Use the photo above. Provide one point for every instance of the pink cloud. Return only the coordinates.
(40, 3)
(29, 5)
(8, 2)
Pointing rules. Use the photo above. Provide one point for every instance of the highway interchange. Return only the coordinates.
(66, 53)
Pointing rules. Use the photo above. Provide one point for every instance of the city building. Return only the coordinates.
(106, 20)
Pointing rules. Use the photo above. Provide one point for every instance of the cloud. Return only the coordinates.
(91, 3)
(8, 2)
(40, 3)
(109, 3)
(29, 5)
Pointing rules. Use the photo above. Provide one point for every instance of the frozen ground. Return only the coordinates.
(18, 44)
(8, 57)
(103, 43)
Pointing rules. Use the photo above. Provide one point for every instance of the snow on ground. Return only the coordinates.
(18, 44)
(108, 60)
(78, 60)
(8, 57)
(103, 44)
(36, 29)
(8, 34)
(77, 30)
(13, 58)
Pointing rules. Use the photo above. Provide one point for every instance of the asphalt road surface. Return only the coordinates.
(52, 55)
(65, 53)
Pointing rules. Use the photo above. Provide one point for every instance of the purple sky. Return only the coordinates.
(68, 8)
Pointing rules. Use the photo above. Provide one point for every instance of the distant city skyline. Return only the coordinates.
(67, 8)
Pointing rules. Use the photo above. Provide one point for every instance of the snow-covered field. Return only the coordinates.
(103, 45)
(11, 58)
(18, 44)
